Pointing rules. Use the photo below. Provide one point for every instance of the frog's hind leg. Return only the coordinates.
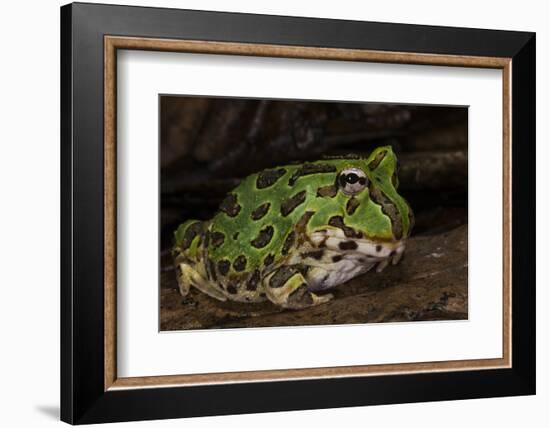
(287, 287)
(190, 269)
(188, 276)
(184, 277)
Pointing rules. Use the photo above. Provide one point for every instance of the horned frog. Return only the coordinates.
(288, 233)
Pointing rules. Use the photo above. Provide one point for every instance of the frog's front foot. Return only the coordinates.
(287, 287)
(394, 258)
(187, 276)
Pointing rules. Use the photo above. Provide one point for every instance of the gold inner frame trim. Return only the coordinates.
(113, 43)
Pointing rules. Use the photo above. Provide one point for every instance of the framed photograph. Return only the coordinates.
(266, 213)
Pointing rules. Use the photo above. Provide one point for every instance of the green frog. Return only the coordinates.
(289, 233)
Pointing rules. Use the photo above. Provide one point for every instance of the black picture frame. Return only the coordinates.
(83, 398)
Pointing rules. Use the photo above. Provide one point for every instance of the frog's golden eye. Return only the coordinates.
(352, 181)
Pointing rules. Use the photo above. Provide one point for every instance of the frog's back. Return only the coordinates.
(257, 218)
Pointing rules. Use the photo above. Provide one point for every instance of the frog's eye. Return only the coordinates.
(352, 181)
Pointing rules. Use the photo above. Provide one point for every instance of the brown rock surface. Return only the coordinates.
(430, 283)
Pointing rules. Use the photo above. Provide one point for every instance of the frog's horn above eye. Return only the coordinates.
(377, 159)
(382, 157)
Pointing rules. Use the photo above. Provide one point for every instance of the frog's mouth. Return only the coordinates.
(372, 252)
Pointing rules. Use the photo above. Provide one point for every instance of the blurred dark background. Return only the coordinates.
(208, 144)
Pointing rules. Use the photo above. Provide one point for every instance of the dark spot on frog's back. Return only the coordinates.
(290, 204)
(269, 177)
(289, 242)
(347, 245)
(352, 205)
(327, 191)
(217, 239)
(309, 169)
(230, 206)
(190, 234)
(231, 288)
(253, 281)
(304, 220)
(223, 267)
(264, 237)
(260, 212)
(269, 260)
(350, 232)
(240, 263)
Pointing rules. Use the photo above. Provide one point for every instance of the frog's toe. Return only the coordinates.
(302, 298)
(183, 277)
(382, 265)
(187, 276)
(319, 300)
(398, 255)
